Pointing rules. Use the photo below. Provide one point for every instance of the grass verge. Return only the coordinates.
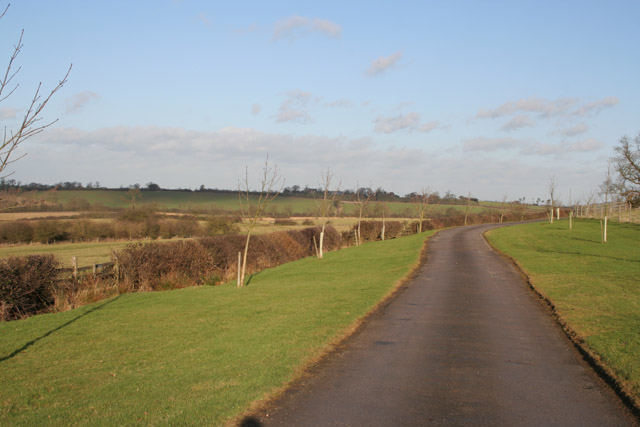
(195, 356)
(592, 287)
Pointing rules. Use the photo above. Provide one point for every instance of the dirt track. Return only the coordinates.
(467, 343)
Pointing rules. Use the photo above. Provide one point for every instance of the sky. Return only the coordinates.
(487, 98)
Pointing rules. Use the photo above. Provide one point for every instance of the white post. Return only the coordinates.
(571, 220)
(605, 229)
(74, 263)
(558, 213)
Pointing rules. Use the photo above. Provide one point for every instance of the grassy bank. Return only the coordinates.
(594, 286)
(194, 356)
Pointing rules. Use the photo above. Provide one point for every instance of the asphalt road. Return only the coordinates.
(466, 343)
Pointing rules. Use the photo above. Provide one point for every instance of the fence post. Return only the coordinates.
(74, 264)
(605, 229)
(95, 269)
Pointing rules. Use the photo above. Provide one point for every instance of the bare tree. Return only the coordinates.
(422, 205)
(552, 188)
(466, 209)
(627, 164)
(252, 209)
(324, 205)
(31, 122)
(362, 198)
(503, 207)
(608, 189)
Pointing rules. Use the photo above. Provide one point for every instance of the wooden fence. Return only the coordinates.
(95, 269)
(614, 211)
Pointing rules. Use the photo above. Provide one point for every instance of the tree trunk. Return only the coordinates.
(244, 259)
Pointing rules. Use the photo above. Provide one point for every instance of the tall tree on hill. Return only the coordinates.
(324, 205)
(627, 164)
(29, 124)
(252, 208)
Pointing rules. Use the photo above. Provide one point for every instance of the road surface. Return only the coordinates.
(467, 343)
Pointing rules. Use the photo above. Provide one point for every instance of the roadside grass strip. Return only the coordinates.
(594, 286)
(194, 356)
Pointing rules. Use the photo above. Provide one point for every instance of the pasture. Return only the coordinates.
(196, 356)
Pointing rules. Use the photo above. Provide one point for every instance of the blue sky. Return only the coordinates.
(490, 98)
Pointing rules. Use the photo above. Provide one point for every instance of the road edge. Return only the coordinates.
(606, 374)
(258, 409)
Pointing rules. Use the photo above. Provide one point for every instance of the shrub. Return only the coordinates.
(221, 225)
(48, 231)
(146, 266)
(16, 232)
(284, 221)
(26, 285)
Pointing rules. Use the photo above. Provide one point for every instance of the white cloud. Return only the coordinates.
(8, 113)
(489, 144)
(543, 149)
(204, 19)
(383, 63)
(295, 108)
(342, 102)
(392, 124)
(178, 157)
(543, 107)
(256, 109)
(429, 126)
(78, 101)
(593, 108)
(295, 27)
(518, 122)
(546, 109)
(573, 130)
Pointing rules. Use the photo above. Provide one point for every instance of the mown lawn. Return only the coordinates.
(594, 286)
(195, 356)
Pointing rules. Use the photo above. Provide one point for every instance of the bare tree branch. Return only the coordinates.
(29, 125)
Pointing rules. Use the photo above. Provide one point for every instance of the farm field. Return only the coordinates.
(192, 356)
(593, 286)
(86, 253)
(187, 200)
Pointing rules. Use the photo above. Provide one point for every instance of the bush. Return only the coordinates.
(16, 232)
(49, 231)
(147, 266)
(221, 225)
(26, 285)
(284, 221)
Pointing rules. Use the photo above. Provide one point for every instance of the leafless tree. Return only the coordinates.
(252, 209)
(503, 207)
(31, 122)
(466, 208)
(627, 165)
(362, 198)
(324, 204)
(608, 189)
(552, 188)
(422, 205)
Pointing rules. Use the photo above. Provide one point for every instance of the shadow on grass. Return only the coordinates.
(250, 422)
(548, 251)
(64, 325)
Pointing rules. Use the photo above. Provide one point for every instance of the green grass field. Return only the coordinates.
(183, 200)
(195, 356)
(594, 286)
(86, 253)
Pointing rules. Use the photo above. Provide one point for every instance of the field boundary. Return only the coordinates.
(341, 342)
(615, 383)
